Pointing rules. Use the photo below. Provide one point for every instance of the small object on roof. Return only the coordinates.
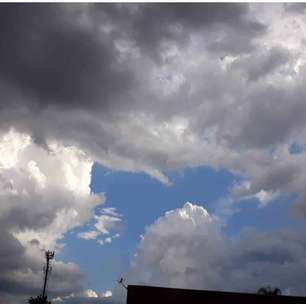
(121, 282)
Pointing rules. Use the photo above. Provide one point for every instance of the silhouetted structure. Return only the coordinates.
(121, 283)
(39, 300)
(160, 295)
(269, 291)
(42, 299)
(47, 270)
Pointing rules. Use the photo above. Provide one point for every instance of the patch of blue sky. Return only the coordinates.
(141, 200)
(102, 264)
(297, 148)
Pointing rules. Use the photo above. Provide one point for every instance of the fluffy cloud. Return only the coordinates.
(44, 193)
(143, 88)
(105, 223)
(81, 101)
(88, 296)
(148, 87)
(187, 248)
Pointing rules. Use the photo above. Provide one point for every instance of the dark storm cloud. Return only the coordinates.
(16, 278)
(52, 56)
(12, 259)
(49, 56)
(149, 25)
(57, 59)
(298, 8)
(255, 252)
(270, 116)
(93, 76)
(175, 20)
(11, 252)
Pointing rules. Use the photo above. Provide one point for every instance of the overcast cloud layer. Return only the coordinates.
(142, 88)
(158, 87)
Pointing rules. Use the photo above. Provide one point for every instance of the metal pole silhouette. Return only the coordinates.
(121, 282)
(49, 257)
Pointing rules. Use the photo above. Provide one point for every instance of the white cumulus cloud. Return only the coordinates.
(44, 193)
(187, 248)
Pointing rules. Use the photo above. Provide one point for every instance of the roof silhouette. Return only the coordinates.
(149, 295)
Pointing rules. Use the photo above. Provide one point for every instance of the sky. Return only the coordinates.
(162, 143)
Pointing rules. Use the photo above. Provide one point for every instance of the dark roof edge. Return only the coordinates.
(208, 292)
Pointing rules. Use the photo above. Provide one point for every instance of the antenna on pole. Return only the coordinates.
(47, 269)
(42, 299)
(121, 282)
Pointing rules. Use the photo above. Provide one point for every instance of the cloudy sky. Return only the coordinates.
(165, 143)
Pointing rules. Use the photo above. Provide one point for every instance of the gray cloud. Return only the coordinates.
(154, 24)
(55, 60)
(298, 8)
(83, 69)
(151, 88)
(39, 204)
(21, 274)
(11, 252)
(186, 248)
(259, 65)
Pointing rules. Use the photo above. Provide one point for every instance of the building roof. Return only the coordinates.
(149, 295)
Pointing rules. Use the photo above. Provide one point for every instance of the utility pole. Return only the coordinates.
(47, 269)
(42, 299)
